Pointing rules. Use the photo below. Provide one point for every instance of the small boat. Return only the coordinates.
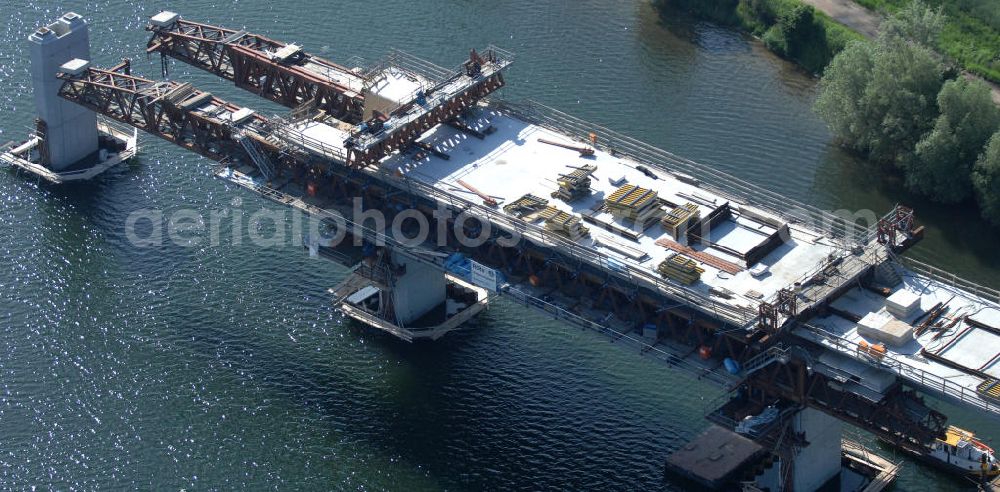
(959, 452)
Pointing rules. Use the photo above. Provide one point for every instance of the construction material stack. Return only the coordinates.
(566, 224)
(680, 268)
(633, 203)
(525, 206)
(902, 304)
(676, 221)
(575, 184)
(881, 327)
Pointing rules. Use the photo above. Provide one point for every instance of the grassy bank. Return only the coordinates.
(790, 28)
(971, 35)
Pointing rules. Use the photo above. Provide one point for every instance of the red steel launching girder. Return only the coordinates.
(409, 121)
(156, 107)
(252, 62)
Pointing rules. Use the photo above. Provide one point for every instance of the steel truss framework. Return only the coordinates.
(901, 415)
(405, 135)
(768, 313)
(148, 106)
(246, 59)
(901, 220)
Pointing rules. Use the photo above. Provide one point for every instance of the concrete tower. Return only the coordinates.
(71, 129)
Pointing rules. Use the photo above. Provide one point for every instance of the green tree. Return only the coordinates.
(879, 98)
(797, 23)
(901, 98)
(917, 22)
(986, 180)
(944, 157)
(841, 91)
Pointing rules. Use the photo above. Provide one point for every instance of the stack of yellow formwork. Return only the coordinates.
(575, 184)
(634, 203)
(566, 224)
(680, 268)
(525, 206)
(676, 221)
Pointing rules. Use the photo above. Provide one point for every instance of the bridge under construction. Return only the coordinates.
(807, 319)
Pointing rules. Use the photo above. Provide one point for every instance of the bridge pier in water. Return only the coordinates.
(406, 298)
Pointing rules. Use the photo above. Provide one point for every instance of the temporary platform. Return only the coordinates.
(715, 457)
(117, 144)
(721, 459)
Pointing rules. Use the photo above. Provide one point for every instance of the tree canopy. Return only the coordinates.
(916, 22)
(944, 157)
(880, 98)
(891, 101)
(986, 180)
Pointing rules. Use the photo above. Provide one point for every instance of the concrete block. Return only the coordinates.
(75, 66)
(902, 303)
(819, 462)
(883, 328)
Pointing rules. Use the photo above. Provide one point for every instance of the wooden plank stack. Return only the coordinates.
(575, 184)
(633, 203)
(706, 258)
(566, 224)
(680, 268)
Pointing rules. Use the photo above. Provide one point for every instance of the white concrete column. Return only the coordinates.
(72, 129)
(419, 289)
(818, 462)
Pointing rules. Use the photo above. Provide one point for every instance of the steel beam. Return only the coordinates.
(257, 63)
(156, 107)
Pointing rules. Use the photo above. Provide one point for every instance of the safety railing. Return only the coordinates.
(948, 278)
(288, 133)
(644, 346)
(427, 69)
(341, 76)
(915, 375)
(869, 257)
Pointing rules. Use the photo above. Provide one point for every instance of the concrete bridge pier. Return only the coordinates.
(409, 298)
(811, 454)
(70, 129)
(69, 142)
